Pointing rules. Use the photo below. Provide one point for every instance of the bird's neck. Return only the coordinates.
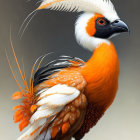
(101, 73)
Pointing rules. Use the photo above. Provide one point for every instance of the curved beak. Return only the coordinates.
(119, 26)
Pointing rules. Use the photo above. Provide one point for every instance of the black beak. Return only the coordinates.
(119, 26)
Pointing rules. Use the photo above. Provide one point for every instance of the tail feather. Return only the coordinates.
(46, 135)
(33, 131)
(26, 86)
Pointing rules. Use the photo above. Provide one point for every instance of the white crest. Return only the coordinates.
(104, 7)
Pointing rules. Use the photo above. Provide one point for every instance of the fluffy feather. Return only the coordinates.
(104, 7)
(51, 101)
(33, 130)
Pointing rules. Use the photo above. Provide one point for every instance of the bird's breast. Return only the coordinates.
(101, 73)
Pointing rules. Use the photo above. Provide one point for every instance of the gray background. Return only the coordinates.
(54, 31)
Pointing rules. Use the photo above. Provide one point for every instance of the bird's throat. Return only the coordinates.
(101, 73)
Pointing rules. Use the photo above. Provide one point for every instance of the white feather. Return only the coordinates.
(104, 7)
(27, 136)
(53, 100)
(82, 37)
(45, 113)
(49, 106)
(58, 89)
(58, 99)
(45, 135)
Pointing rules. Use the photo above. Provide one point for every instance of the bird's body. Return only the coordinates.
(100, 74)
(97, 80)
(68, 96)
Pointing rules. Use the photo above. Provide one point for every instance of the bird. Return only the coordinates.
(67, 96)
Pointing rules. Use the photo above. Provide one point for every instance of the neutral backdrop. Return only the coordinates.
(52, 31)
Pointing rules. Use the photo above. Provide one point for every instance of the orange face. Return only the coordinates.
(90, 28)
(100, 27)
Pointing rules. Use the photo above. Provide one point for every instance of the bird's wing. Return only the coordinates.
(60, 102)
(67, 121)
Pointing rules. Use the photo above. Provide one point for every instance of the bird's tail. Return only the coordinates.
(27, 107)
(33, 131)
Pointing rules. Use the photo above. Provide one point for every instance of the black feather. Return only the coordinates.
(54, 66)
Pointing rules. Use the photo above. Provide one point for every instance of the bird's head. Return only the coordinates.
(96, 25)
(94, 29)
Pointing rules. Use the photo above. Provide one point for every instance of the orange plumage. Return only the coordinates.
(23, 113)
(97, 79)
(90, 28)
(101, 74)
(68, 96)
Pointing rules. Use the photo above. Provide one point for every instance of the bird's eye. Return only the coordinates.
(101, 21)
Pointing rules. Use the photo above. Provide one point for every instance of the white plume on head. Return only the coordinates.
(104, 7)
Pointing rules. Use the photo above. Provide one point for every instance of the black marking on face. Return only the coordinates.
(105, 28)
